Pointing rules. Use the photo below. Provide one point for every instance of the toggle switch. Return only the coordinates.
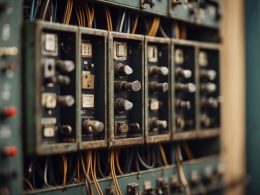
(65, 65)
(155, 86)
(189, 87)
(123, 70)
(183, 73)
(155, 123)
(123, 105)
(93, 126)
(156, 70)
(66, 100)
(209, 74)
(131, 86)
(208, 87)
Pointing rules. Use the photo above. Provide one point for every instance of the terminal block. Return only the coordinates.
(209, 82)
(50, 83)
(126, 91)
(92, 74)
(185, 86)
(157, 89)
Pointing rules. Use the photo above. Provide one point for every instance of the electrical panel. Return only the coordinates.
(109, 88)
(185, 87)
(51, 113)
(127, 89)
(93, 94)
(158, 89)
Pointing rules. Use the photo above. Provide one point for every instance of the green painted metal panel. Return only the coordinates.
(252, 24)
(10, 91)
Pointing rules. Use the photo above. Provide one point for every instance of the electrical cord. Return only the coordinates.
(143, 163)
(163, 155)
(117, 153)
(135, 24)
(180, 170)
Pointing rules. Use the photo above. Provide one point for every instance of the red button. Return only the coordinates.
(10, 151)
(9, 111)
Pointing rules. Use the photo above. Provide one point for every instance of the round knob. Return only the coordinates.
(155, 123)
(65, 129)
(131, 86)
(154, 86)
(183, 104)
(123, 70)
(180, 122)
(183, 73)
(208, 87)
(153, 70)
(189, 87)
(135, 127)
(63, 80)
(123, 104)
(205, 120)
(8, 112)
(209, 102)
(93, 126)
(66, 100)
(65, 65)
(122, 127)
(209, 74)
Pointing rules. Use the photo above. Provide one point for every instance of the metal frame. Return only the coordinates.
(33, 127)
(112, 142)
(94, 143)
(162, 137)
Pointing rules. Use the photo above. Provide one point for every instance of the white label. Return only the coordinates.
(179, 58)
(86, 50)
(120, 51)
(50, 42)
(88, 101)
(152, 54)
(154, 104)
(203, 59)
(48, 131)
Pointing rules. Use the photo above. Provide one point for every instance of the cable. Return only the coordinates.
(164, 158)
(93, 173)
(180, 170)
(135, 24)
(187, 150)
(28, 183)
(99, 166)
(143, 163)
(162, 31)
(65, 169)
(117, 162)
(113, 173)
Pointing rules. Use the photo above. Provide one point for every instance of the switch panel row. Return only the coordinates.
(92, 88)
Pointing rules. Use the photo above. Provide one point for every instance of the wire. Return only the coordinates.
(109, 20)
(113, 173)
(188, 151)
(117, 162)
(65, 169)
(143, 163)
(45, 9)
(180, 170)
(93, 173)
(154, 27)
(99, 166)
(28, 183)
(135, 24)
(165, 161)
(162, 31)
